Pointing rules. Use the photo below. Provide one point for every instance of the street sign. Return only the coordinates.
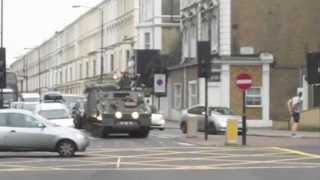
(244, 81)
(160, 83)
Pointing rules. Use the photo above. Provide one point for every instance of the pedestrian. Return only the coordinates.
(295, 108)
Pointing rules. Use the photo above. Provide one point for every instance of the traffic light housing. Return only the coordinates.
(203, 51)
(147, 64)
(313, 68)
(3, 79)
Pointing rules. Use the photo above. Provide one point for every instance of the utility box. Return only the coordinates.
(192, 127)
(232, 132)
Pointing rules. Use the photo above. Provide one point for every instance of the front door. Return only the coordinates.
(25, 133)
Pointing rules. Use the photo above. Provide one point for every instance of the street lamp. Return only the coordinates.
(102, 36)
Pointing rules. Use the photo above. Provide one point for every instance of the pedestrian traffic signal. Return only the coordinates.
(203, 50)
(3, 78)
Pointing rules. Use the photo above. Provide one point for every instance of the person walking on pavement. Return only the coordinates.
(295, 108)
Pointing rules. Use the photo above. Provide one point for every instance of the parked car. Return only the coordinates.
(22, 130)
(157, 119)
(217, 119)
(29, 97)
(52, 96)
(56, 113)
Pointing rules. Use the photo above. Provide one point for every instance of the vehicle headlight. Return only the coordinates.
(99, 117)
(79, 136)
(135, 115)
(118, 115)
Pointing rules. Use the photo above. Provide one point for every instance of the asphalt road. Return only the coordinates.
(165, 155)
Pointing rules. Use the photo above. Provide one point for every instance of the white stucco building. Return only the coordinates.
(72, 57)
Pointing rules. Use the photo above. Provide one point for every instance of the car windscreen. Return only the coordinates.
(221, 110)
(54, 114)
(9, 97)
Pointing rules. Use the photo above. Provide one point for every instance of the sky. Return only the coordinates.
(28, 23)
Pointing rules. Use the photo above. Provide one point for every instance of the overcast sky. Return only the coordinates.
(27, 23)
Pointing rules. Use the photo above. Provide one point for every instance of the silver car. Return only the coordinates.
(217, 118)
(22, 130)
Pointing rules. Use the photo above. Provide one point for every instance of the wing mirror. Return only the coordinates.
(42, 126)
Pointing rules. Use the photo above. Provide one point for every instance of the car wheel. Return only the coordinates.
(144, 134)
(183, 128)
(212, 128)
(140, 134)
(161, 129)
(66, 148)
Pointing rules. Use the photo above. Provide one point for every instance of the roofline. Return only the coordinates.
(231, 60)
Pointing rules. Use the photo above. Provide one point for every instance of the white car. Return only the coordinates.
(56, 113)
(157, 119)
(30, 97)
(217, 119)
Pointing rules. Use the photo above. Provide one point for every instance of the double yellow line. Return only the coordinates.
(301, 153)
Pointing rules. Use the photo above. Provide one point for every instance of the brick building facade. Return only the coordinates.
(288, 29)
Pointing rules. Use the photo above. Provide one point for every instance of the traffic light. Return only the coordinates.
(3, 78)
(203, 50)
(313, 68)
(147, 63)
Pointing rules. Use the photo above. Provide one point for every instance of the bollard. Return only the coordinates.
(232, 132)
(192, 128)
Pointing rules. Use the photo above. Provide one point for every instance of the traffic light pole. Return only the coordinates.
(206, 108)
(1, 93)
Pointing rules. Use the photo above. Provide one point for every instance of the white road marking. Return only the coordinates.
(118, 162)
(185, 144)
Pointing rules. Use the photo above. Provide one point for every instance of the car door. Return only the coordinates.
(25, 133)
(3, 129)
(196, 113)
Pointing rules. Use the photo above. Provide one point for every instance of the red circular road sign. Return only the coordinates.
(244, 81)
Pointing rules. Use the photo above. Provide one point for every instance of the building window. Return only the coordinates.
(94, 65)
(71, 75)
(193, 93)
(147, 40)
(66, 75)
(177, 96)
(253, 97)
(87, 69)
(127, 58)
(80, 70)
(61, 77)
(111, 62)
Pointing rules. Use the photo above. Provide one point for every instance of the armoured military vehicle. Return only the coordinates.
(111, 109)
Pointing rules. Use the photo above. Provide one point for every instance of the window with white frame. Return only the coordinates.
(177, 99)
(193, 93)
(147, 40)
(254, 97)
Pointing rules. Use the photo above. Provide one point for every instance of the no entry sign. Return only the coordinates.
(244, 81)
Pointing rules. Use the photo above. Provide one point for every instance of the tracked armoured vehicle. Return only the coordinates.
(111, 109)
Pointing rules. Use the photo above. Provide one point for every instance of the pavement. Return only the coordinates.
(264, 131)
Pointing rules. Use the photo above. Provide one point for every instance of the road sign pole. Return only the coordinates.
(244, 119)
(206, 109)
(244, 82)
